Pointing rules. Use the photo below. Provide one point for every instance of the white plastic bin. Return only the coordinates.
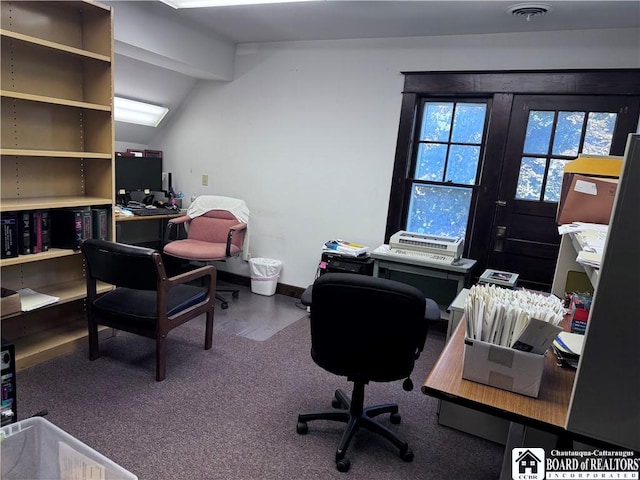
(35, 449)
(264, 275)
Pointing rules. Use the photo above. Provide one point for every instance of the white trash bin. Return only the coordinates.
(264, 275)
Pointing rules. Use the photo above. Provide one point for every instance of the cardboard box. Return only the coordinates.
(586, 199)
(502, 367)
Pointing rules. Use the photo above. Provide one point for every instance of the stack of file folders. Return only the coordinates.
(568, 347)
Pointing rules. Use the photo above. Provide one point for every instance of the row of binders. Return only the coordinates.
(519, 319)
(35, 231)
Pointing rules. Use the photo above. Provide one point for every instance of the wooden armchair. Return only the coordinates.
(145, 301)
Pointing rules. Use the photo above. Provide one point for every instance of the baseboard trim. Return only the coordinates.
(281, 288)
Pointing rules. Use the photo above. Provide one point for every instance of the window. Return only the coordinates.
(461, 165)
(552, 139)
(446, 168)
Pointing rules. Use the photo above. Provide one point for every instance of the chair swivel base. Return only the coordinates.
(356, 416)
(224, 304)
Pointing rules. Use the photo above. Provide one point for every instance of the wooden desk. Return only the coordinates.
(137, 231)
(135, 218)
(548, 412)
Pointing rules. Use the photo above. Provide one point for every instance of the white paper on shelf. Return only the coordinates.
(30, 299)
(589, 258)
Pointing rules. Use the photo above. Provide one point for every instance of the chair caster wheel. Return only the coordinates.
(302, 428)
(395, 418)
(224, 305)
(235, 294)
(343, 465)
(407, 455)
(335, 403)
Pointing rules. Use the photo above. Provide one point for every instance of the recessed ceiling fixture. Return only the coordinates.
(529, 10)
(221, 3)
(140, 113)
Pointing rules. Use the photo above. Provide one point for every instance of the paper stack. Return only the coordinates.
(519, 319)
(30, 299)
(342, 247)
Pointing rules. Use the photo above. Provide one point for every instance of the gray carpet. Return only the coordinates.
(230, 412)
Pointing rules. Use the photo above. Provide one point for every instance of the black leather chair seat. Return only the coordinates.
(141, 305)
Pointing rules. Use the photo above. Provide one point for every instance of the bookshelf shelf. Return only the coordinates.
(37, 257)
(35, 41)
(66, 292)
(59, 340)
(35, 203)
(23, 152)
(54, 100)
(56, 152)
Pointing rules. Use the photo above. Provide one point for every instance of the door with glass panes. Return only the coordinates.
(545, 132)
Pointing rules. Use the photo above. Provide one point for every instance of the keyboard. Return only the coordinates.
(422, 257)
(144, 212)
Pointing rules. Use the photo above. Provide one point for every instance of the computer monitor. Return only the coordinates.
(137, 174)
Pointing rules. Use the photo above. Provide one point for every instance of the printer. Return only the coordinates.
(427, 245)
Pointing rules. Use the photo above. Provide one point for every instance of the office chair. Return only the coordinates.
(366, 329)
(211, 236)
(145, 301)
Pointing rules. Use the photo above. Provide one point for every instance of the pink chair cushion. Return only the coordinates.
(190, 249)
(207, 238)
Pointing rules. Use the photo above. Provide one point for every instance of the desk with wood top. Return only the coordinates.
(137, 231)
(548, 412)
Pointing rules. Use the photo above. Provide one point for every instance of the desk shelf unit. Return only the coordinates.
(57, 147)
(570, 245)
(606, 392)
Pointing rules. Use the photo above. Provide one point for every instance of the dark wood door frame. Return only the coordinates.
(500, 86)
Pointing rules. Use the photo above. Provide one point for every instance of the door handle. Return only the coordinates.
(501, 235)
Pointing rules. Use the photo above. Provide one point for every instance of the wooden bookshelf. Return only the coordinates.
(56, 151)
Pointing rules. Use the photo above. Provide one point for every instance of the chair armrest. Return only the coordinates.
(174, 222)
(207, 270)
(182, 219)
(232, 230)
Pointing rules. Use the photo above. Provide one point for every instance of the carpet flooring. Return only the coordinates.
(230, 412)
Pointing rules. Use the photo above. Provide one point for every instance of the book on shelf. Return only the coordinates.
(24, 233)
(9, 221)
(30, 299)
(45, 235)
(36, 231)
(87, 224)
(100, 220)
(69, 227)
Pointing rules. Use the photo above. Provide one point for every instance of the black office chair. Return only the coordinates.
(366, 329)
(145, 301)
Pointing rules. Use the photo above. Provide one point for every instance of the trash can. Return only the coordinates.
(264, 275)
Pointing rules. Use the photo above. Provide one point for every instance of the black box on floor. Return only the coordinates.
(336, 263)
(8, 412)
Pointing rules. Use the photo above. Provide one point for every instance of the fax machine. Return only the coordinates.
(437, 248)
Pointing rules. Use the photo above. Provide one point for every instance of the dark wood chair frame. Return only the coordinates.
(163, 323)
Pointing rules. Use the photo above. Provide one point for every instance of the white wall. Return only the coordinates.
(306, 132)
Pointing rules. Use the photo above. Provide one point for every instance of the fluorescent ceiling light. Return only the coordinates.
(140, 113)
(222, 3)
